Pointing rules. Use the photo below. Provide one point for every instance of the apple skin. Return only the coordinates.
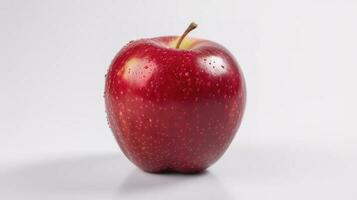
(174, 110)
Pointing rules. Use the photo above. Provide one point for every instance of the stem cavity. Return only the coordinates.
(188, 30)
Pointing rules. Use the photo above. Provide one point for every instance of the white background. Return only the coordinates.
(298, 137)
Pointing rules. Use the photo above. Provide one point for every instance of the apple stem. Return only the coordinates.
(189, 29)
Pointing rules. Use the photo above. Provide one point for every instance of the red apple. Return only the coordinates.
(174, 104)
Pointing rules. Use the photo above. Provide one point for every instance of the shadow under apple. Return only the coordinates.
(100, 176)
(111, 176)
(163, 186)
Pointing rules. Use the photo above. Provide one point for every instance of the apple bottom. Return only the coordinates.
(188, 162)
(164, 170)
(182, 138)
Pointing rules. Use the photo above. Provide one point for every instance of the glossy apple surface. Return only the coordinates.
(174, 109)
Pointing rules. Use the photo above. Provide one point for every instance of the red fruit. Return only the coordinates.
(174, 109)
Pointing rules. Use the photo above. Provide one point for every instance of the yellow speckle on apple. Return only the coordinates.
(137, 70)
